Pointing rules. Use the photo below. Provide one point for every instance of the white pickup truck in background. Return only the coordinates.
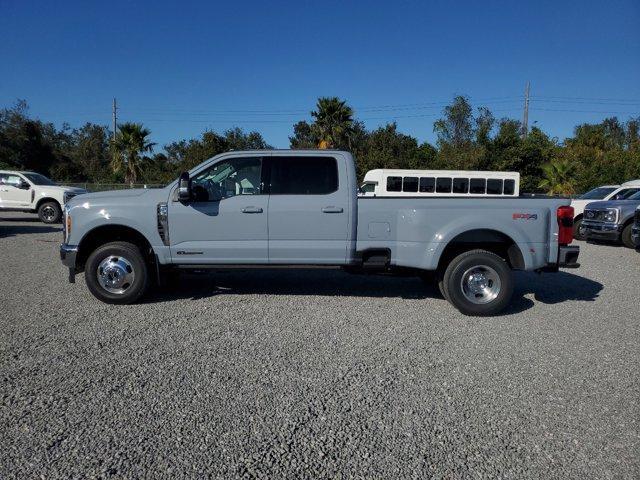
(32, 192)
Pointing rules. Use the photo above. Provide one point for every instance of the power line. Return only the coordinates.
(525, 116)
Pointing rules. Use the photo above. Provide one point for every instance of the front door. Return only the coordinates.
(12, 191)
(226, 221)
(308, 211)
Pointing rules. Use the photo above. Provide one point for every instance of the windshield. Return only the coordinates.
(38, 179)
(635, 196)
(597, 193)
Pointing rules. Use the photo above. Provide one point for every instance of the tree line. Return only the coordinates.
(466, 139)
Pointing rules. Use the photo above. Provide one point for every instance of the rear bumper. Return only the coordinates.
(601, 231)
(568, 256)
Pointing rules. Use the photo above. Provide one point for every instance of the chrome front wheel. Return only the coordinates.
(116, 274)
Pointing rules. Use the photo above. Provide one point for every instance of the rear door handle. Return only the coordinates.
(251, 210)
(332, 210)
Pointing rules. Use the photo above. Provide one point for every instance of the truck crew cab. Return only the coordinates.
(301, 208)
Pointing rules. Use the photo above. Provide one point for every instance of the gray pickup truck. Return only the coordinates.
(610, 220)
(300, 208)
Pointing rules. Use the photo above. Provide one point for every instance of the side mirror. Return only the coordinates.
(24, 185)
(184, 187)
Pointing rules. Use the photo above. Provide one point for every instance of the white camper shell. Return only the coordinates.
(439, 183)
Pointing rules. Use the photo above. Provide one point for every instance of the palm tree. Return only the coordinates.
(333, 122)
(558, 178)
(129, 143)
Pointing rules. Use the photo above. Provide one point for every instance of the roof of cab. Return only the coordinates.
(631, 183)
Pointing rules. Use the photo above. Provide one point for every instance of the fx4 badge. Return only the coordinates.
(525, 216)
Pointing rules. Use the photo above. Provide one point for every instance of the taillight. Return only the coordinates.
(565, 225)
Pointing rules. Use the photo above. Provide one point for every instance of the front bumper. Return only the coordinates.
(68, 254)
(601, 230)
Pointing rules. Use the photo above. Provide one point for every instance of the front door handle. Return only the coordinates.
(251, 210)
(332, 210)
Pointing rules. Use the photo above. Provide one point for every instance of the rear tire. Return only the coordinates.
(576, 230)
(50, 212)
(117, 273)
(478, 283)
(627, 241)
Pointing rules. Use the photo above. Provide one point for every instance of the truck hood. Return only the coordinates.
(133, 192)
(110, 194)
(612, 204)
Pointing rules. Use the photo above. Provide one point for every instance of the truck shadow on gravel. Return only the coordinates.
(546, 288)
(27, 225)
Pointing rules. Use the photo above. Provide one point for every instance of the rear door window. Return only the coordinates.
(303, 175)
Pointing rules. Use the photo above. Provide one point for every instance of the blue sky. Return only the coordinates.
(185, 67)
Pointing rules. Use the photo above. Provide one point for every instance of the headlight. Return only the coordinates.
(611, 215)
(66, 196)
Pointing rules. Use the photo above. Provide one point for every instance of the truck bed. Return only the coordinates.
(417, 230)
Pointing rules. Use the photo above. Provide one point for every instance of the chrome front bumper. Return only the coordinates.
(68, 254)
(600, 230)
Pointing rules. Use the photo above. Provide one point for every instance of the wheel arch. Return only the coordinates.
(103, 234)
(47, 199)
(485, 239)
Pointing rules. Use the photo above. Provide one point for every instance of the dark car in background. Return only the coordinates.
(611, 220)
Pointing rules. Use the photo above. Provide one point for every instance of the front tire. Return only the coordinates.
(627, 241)
(576, 230)
(117, 273)
(50, 212)
(478, 283)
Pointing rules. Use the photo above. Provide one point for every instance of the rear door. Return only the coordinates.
(308, 210)
(226, 221)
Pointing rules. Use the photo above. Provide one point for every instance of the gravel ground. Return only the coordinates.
(316, 374)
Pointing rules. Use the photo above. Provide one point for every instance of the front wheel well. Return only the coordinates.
(483, 239)
(107, 234)
(45, 200)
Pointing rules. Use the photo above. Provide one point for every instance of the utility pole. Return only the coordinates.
(115, 117)
(525, 118)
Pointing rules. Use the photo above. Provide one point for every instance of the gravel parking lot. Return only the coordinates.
(316, 373)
